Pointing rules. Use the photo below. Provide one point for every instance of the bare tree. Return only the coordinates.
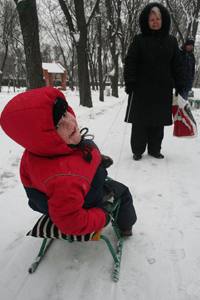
(79, 33)
(113, 15)
(29, 26)
(99, 49)
(59, 36)
(92, 53)
(7, 24)
(184, 16)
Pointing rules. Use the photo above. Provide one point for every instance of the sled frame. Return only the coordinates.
(116, 254)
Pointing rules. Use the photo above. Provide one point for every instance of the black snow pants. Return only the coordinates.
(143, 135)
(127, 215)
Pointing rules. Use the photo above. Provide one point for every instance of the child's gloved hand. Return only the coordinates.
(106, 161)
(108, 217)
(107, 207)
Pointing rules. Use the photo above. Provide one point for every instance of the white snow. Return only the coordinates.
(162, 259)
(76, 37)
(54, 67)
(112, 73)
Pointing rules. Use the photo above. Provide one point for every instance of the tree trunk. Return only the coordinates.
(81, 49)
(95, 77)
(101, 84)
(196, 22)
(3, 63)
(112, 34)
(71, 83)
(114, 77)
(29, 26)
(83, 76)
(91, 72)
(81, 46)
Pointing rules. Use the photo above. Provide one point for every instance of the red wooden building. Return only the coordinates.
(50, 70)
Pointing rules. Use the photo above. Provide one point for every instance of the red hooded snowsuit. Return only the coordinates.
(49, 165)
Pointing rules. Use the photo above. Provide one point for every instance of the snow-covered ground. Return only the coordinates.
(162, 259)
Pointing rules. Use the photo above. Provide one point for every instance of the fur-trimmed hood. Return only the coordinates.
(144, 17)
(28, 120)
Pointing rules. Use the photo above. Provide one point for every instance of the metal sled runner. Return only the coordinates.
(116, 254)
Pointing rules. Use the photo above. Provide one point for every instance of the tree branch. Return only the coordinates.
(174, 20)
(93, 12)
(67, 15)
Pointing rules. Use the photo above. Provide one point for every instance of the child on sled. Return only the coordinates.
(63, 172)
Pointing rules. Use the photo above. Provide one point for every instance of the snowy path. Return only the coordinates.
(161, 260)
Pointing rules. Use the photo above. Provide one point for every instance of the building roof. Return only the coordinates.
(53, 67)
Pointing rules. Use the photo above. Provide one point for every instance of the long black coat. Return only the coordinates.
(152, 63)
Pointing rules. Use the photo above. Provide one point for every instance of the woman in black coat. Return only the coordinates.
(152, 63)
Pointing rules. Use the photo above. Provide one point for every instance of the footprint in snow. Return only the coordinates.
(7, 174)
(197, 214)
(192, 289)
(176, 254)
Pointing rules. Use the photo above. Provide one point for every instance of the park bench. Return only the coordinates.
(194, 102)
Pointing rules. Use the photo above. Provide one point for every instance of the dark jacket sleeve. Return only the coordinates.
(132, 61)
(177, 65)
(192, 71)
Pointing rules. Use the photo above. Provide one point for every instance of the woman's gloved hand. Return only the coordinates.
(179, 90)
(130, 88)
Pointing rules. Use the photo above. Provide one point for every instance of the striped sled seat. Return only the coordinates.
(46, 229)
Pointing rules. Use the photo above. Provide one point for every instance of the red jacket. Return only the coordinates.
(49, 165)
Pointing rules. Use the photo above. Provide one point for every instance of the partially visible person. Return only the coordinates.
(152, 63)
(62, 171)
(187, 53)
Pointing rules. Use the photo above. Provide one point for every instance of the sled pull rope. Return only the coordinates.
(130, 106)
(120, 152)
(113, 122)
(123, 136)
